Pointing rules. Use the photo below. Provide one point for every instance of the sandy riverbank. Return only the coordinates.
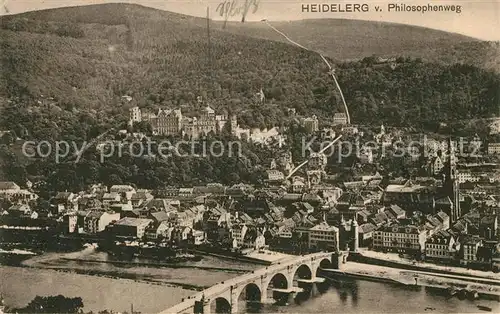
(189, 275)
(89, 273)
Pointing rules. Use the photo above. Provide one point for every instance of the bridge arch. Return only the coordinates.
(277, 281)
(325, 263)
(302, 272)
(250, 297)
(220, 305)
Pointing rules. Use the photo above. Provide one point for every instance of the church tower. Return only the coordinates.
(451, 185)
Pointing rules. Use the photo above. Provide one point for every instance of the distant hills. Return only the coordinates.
(343, 39)
(89, 57)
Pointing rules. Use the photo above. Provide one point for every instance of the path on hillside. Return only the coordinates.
(330, 68)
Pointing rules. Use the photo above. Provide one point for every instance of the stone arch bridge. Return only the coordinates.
(282, 278)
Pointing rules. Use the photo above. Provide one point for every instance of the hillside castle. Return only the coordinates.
(168, 122)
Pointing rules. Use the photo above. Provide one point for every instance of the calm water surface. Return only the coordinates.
(20, 285)
(372, 297)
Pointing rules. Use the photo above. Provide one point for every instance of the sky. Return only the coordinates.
(478, 18)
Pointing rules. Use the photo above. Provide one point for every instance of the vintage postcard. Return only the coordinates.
(249, 156)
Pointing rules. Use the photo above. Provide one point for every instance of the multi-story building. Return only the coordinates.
(488, 227)
(110, 198)
(130, 227)
(65, 202)
(400, 238)
(122, 189)
(169, 122)
(467, 176)
(311, 124)
(135, 115)
(442, 247)
(238, 233)
(324, 236)
(317, 161)
(493, 148)
(90, 221)
(198, 237)
(435, 165)
(339, 118)
(12, 192)
(275, 176)
(470, 249)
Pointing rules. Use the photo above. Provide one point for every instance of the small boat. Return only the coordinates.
(197, 258)
(472, 295)
(451, 291)
(462, 294)
(484, 308)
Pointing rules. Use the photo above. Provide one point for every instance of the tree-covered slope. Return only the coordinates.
(344, 39)
(87, 58)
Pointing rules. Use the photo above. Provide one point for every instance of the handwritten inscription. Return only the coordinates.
(234, 8)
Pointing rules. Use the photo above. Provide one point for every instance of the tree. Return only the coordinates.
(143, 127)
(53, 304)
(8, 138)
(114, 180)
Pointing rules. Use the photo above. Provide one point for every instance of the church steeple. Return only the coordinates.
(451, 184)
(343, 223)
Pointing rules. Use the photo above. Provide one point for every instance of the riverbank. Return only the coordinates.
(192, 275)
(393, 260)
(157, 264)
(101, 292)
(98, 292)
(415, 278)
(232, 257)
(88, 270)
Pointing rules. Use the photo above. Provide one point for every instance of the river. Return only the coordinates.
(19, 285)
(360, 296)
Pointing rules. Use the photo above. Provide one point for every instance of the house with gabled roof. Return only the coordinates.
(365, 234)
(110, 198)
(443, 246)
(140, 198)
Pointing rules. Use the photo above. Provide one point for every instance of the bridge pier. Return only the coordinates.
(234, 306)
(263, 288)
(206, 308)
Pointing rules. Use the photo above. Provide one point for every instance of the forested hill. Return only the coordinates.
(87, 58)
(344, 39)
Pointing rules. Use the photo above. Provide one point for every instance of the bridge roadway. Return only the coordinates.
(281, 277)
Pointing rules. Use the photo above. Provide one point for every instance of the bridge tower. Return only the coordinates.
(343, 235)
(355, 235)
(338, 259)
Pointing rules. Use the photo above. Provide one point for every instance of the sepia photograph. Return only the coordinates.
(249, 156)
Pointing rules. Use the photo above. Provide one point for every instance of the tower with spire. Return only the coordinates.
(451, 184)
